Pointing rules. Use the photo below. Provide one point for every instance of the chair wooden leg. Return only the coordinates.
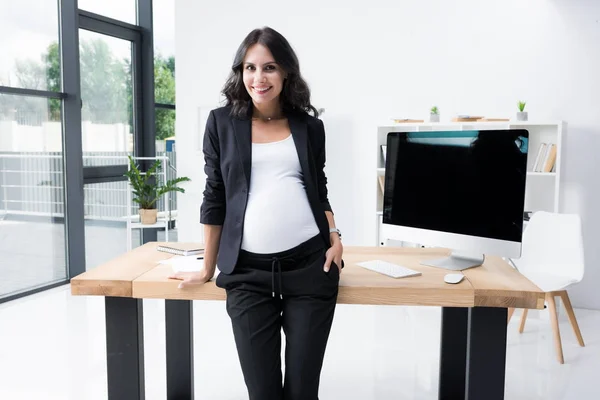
(523, 318)
(569, 308)
(556, 331)
(510, 314)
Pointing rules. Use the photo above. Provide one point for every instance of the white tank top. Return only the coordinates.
(278, 215)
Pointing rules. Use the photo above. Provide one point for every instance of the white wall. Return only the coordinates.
(369, 61)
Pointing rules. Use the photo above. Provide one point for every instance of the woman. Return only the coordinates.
(267, 220)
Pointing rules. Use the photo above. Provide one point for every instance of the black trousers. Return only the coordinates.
(289, 290)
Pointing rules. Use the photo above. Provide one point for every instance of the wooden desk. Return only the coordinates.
(474, 315)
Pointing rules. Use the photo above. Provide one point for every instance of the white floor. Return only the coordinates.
(52, 347)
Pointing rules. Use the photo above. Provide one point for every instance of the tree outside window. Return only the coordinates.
(104, 88)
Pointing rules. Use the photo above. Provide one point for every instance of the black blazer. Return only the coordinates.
(227, 153)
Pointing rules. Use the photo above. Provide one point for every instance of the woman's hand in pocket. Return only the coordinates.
(334, 253)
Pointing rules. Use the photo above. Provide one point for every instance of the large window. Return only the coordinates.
(164, 71)
(31, 194)
(122, 10)
(76, 91)
(106, 95)
(29, 45)
(32, 191)
(164, 50)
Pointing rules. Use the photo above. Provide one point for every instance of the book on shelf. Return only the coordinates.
(467, 118)
(407, 121)
(381, 183)
(545, 160)
(181, 249)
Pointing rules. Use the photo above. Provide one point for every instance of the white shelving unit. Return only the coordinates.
(542, 190)
(163, 219)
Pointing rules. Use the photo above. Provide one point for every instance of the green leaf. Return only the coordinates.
(145, 190)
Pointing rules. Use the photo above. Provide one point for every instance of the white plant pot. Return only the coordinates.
(522, 116)
(434, 117)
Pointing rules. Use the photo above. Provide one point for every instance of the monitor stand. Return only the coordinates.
(457, 261)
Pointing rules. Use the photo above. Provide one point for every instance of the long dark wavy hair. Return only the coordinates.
(295, 95)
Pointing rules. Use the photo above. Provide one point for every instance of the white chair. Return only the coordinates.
(552, 258)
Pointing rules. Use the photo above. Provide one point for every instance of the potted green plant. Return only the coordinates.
(146, 189)
(522, 114)
(434, 114)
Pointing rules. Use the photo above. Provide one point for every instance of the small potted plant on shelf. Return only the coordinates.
(146, 190)
(434, 114)
(522, 114)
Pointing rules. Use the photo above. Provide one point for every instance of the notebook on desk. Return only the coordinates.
(179, 249)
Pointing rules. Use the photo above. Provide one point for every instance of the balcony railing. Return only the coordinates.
(33, 184)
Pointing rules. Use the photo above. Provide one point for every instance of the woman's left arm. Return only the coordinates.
(335, 252)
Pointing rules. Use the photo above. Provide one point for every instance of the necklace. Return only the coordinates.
(267, 119)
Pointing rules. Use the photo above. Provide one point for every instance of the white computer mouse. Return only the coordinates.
(453, 278)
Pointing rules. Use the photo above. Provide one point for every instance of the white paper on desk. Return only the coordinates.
(186, 264)
(388, 268)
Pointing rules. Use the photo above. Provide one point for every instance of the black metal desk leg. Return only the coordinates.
(486, 353)
(180, 349)
(125, 348)
(453, 351)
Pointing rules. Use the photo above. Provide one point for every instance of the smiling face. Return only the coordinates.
(263, 77)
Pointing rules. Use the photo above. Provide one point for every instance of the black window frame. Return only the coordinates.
(70, 20)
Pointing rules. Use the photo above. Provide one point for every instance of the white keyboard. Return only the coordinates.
(389, 269)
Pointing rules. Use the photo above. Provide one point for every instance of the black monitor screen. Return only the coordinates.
(465, 182)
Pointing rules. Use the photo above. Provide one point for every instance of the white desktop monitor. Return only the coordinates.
(461, 190)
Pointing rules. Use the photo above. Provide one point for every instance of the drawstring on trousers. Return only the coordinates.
(274, 261)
